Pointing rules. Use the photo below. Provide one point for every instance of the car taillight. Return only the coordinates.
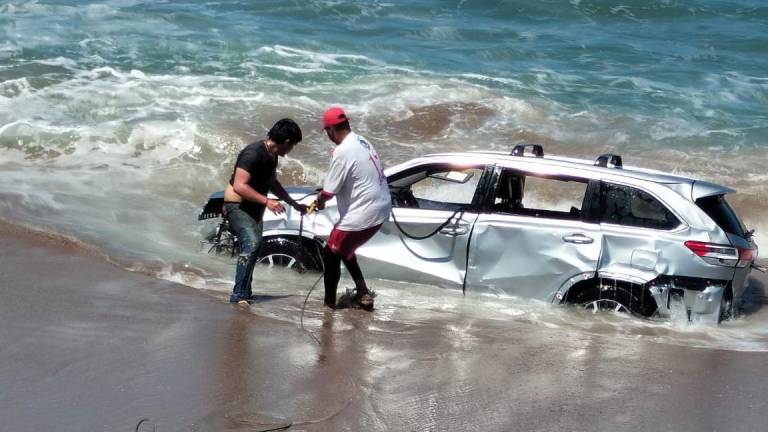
(746, 256)
(715, 253)
(722, 254)
(712, 250)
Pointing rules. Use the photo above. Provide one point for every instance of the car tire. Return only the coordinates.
(288, 253)
(614, 298)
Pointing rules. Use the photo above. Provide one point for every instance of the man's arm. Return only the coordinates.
(242, 188)
(334, 181)
(281, 193)
(322, 197)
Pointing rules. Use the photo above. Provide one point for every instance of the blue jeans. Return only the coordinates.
(249, 234)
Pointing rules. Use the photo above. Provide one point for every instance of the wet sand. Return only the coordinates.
(87, 346)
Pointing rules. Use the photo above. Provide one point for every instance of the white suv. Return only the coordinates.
(596, 234)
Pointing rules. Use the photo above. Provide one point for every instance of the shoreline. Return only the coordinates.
(86, 345)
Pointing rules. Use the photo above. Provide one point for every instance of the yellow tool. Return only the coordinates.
(312, 207)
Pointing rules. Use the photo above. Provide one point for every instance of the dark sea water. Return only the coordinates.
(118, 118)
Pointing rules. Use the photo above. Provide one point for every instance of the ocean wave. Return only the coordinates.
(307, 62)
(14, 87)
(8, 50)
(105, 106)
(314, 56)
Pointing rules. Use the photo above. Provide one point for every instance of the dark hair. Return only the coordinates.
(285, 131)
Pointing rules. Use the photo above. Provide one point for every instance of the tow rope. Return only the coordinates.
(437, 230)
(311, 209)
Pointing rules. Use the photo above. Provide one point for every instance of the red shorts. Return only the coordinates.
(345, 243)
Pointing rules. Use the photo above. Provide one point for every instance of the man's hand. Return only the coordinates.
(322, 197)
(275, 206)
(299, 207)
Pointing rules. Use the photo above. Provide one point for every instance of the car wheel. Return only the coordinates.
(609, 305)
(288, 253)
(613, 298)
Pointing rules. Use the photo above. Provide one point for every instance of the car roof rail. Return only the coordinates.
(608, 160)
(536, 149)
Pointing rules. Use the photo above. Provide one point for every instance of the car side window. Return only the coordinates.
(538, 196)
(439, 189)
(625, 205)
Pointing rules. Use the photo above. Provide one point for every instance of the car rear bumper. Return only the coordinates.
(688, 304)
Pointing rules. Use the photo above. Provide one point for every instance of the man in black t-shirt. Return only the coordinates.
(245, 198)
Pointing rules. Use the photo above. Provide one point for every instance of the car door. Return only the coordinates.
(533, 239)
(641, 235)
(425, 239)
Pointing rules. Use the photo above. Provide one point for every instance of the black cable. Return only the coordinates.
(443, 225)
(276, 428)
(303, 306)
(314, 192)
(300, 243)
(322, 273)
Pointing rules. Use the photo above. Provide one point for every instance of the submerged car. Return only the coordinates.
(592, 233)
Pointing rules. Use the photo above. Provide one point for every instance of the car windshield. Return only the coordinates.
(721, 212)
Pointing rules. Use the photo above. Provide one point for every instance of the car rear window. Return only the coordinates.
(625, 205)
(721, 212)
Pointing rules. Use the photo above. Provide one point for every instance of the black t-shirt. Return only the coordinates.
(255, 159)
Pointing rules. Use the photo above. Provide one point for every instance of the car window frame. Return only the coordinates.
(488, 201)
(681, 224)
(480, 188)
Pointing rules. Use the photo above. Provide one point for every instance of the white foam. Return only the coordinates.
(34, 8)
(8, 50)
(316, 57)
(160, 142)
(169, 273)
(440, 33)
(22, 128)
(100, 11)
(58, 61)
(14, 87)
(296, 70)
(675, 128)
(481, 77)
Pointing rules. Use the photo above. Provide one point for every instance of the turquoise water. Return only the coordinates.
(117, 118)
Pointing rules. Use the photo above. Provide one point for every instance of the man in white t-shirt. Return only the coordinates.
(357, 181)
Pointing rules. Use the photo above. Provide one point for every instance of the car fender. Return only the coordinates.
(643, 267)
(562, 292)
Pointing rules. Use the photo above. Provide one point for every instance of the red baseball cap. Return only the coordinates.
(333, 116)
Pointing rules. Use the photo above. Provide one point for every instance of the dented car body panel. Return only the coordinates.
(439, 260)
(545, 257)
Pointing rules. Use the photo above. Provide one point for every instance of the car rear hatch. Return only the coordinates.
(742, 250)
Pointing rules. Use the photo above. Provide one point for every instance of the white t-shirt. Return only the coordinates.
(358, 182)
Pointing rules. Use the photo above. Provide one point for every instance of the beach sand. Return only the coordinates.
(87, 346)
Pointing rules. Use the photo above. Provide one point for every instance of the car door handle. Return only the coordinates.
(578, 239)
(454, 230)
